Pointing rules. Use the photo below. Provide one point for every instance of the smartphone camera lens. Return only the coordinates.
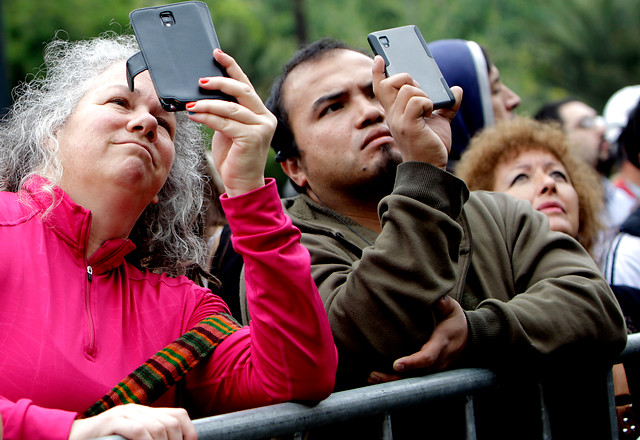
(384, 41)
(167, 18)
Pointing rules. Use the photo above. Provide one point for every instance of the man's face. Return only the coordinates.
(338, 124)
(585, 131)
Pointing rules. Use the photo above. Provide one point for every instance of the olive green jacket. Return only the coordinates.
(527, 292)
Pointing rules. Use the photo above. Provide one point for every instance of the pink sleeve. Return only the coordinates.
(24, 420)
(287, 353)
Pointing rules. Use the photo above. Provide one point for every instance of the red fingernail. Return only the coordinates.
(190, 105)
(204, 81)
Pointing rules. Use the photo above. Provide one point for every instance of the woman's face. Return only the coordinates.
(116, 138)
(540, 178)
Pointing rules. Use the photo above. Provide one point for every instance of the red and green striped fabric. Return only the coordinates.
(162, 370)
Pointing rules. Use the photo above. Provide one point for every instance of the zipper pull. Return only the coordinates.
(90, 273)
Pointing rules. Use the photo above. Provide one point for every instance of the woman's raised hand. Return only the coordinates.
(243, 129)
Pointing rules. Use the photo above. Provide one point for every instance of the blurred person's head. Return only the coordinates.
(583, 126)
(486, 98)
(534, 161)
(629, 139)
(616, 114)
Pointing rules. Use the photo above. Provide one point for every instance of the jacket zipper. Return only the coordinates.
(90, 350)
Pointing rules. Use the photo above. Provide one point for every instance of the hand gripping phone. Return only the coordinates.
(405, 51)
(176, 45)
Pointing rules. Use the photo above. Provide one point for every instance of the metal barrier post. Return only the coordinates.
(470, 418)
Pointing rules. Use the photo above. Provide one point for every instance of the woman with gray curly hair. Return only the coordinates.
(101, 197)
(167, 240)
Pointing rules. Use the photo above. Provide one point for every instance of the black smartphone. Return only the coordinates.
(405, 51)
(177, 42)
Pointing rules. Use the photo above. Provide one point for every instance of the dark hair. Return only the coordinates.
(551, 111)
(629, 139)
(283, 140)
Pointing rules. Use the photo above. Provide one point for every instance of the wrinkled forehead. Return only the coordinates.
(112, 72)
(520, 153)
(333, 71)
(115, 76)
(113, 81)
(539, 153)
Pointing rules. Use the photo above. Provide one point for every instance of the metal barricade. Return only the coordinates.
(292, 418)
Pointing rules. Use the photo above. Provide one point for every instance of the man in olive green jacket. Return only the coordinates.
(393, 236)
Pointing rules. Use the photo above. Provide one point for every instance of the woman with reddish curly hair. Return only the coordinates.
(533, 161)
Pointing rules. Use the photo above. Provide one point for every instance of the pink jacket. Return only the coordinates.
(68, 336)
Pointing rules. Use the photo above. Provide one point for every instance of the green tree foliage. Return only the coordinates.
(545, 50)
(589, 49)
(29, 24)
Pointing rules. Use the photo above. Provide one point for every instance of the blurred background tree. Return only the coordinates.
(545, 49)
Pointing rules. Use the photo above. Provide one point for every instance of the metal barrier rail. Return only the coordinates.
(291, 418)
(633, 347)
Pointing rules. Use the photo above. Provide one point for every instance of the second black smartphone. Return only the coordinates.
(405, 51)
(177, 42)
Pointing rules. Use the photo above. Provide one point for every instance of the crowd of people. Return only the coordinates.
(420, 240)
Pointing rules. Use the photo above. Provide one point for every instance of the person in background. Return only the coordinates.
(101, 192)
(487, 99)
(622, 265)
(585, 130)
(417, 274)
(582, 125)
(622, 269)
(533, 161)
(616, 115)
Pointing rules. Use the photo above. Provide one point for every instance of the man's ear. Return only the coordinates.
(295, 171)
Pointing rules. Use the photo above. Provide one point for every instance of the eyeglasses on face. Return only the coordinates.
(592, 122)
